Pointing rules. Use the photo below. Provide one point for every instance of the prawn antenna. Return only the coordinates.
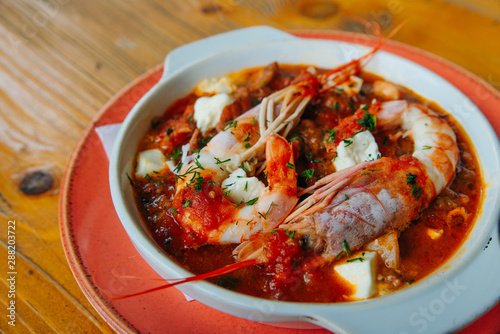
(218, 272)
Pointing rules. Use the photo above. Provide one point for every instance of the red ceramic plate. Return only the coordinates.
(95, 242)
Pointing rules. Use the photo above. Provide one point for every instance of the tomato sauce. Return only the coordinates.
(451, 215)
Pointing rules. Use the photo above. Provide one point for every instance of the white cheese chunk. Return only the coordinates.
(359, 148)
(149, 161)
(216, 85)
(242, 188)
(361, 274)
(207, 110)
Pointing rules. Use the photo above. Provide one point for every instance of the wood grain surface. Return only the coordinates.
(61, 60)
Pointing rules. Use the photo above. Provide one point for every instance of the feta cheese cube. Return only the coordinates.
(149, 161)
(242, 188)
(207, 110)
(359, 148)
(361, 274)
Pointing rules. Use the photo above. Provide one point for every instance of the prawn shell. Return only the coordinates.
(378, 201)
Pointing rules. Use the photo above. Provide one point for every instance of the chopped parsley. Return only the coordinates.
(346, 249)
(290, 165)
(197, 163)
(350, 105)
(176, 152)
(338, 255)
(264, 215)
(307, 174)
(369, 121)
(336, 105)
(154, 181)
(360, 259)
(198, 182)
(294, 136)
(203, 142)
(331, 136)
(416, 190)
(410, 178)
(252, 201)
(291, 234)
(229, 125)
(169, 131)
(347, 142)
(218, 161)
(186, 203)
(346, 197)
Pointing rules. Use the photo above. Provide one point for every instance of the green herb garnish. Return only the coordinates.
(252, 201)
(346, 249)
(331, 136)
(347, 142)
(291, 234)
(230, 124)
(307, 174)
(369, 121)
(218, 161)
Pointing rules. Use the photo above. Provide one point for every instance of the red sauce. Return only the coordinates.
(287, 275)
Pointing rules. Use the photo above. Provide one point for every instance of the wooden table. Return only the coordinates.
(61, 60)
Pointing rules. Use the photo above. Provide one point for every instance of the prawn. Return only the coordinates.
(352, 207)
(202, 204)
(210, 217)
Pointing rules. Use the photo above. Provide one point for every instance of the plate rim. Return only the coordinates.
(76, 262)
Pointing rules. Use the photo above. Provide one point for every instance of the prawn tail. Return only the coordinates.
(218, 272)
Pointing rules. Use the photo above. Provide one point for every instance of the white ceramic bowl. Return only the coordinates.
(444, 301)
